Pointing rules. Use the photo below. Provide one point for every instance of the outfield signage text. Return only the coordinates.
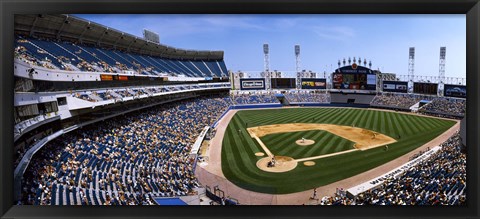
(252, 83)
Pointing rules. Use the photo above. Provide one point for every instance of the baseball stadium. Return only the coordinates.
(104, 117)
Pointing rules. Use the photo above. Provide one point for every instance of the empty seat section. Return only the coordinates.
(202, 68)
(215, 68)
(180, 68)
(79, 52)
(41, 53)
(162, 66)
(55, 50)
(100, 54)
(223, 67)
(172, 65)
(118, 58)
(194, 71)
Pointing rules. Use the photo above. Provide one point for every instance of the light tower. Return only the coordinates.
(266, 61)
(441, 71)
(411, 67)
(297, 65)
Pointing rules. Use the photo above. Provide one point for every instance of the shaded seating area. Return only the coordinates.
(70, 56)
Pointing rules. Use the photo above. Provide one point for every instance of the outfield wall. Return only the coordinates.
(405, 109)
(344, 97)
(331, 105)
(250, 106)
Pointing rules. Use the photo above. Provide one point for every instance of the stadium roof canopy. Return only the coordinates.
(74, 29)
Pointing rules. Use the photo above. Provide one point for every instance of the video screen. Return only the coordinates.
(103, 116)
(309, 83)
(395, 86)
(283, 83)
(451, 90)
(356, 81)
(425, 88)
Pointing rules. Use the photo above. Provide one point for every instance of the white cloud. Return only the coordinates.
(341, 33)
(226, 21)
(184, 26)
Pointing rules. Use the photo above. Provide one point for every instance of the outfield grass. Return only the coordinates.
(283, 144)
(238, 150)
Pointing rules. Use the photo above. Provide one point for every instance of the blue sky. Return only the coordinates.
(324, 39)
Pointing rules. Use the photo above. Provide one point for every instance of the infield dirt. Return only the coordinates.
(364, 139)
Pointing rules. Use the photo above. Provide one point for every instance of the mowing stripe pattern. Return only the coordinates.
(238, 149)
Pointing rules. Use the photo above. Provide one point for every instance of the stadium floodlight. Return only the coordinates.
(441, 70)
(266, 61)
(297, 49)
(411, 68)
(443, 51)
(297, 65)
(411, 53)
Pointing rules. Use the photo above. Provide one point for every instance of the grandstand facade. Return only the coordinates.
(106, 118)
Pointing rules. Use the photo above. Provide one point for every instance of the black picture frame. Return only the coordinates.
(10, 7)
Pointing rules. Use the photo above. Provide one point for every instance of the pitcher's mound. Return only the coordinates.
(283, 164)
(305, 142)
(259, 154)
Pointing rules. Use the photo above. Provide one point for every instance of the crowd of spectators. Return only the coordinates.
(307, 97)
(110, 94)
(125, 160)
(254, 98)
(420, 153)
(438, 180)
(445, 106)
(398, 100)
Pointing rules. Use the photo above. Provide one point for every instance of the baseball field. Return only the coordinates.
(312, 147)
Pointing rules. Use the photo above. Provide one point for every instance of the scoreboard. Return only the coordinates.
(358, 81)
(452, 90)
(314, 83)
(282, 83)
(395, 86)
(425, 88)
